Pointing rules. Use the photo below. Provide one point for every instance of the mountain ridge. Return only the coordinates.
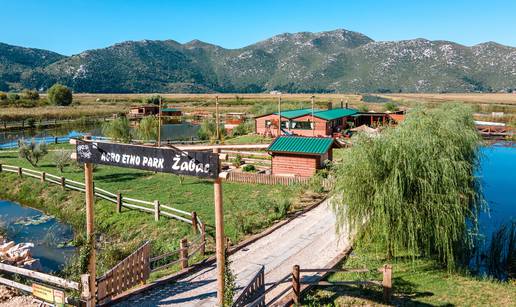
(328, 61)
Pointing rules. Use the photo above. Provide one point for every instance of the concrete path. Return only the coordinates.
(309, 241)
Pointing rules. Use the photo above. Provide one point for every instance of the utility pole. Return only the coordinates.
(159, 123)
(279, 112)
(90, 231)
(219, 236)
(217, 120)
(313, 123)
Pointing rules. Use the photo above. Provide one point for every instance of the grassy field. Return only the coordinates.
(247, 208)
(421, 282)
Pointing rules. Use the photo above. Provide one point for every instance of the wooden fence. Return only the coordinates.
(55, 281)
(266, 179)
(254, 293)
(121, 201)
(131, 271)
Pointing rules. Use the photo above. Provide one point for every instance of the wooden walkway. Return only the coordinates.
(309, 241)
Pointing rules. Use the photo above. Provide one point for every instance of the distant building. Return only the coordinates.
(300, 156)
(233, 119)
(144, 110)
(171, 112)
(304, 122)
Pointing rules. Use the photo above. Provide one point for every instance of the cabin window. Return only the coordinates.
(302, 125)
(267, 123)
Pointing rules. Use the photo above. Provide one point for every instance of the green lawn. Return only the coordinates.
(248, 208)
(421, 282)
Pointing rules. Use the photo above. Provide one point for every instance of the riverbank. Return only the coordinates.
(420, 282)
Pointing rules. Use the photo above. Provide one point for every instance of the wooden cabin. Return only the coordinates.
(305, 122)
(171, 112)
(144, 110)
(300, 156)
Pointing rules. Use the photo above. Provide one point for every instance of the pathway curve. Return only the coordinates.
(309, 241)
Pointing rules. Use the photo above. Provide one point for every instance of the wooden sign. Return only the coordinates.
(48, 294)
(166, 160)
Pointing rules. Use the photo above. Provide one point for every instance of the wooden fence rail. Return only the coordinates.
(131, 271)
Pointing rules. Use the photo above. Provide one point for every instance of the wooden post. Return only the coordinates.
(194, 221)
(279, 114)
(20, 171)
(118, 202)
(156, 210)
(63, 181)
(0, 167)
(55, 140)
(90, 230)
(313, 123)
(296, 285)
(203, 239)
(86, 290)
(217, 116)
(183, 254)
(43, 176)
(159, 123)
(387, 283)
(219, 236)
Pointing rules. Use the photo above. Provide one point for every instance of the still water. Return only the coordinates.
(49, 236)
(498, 178)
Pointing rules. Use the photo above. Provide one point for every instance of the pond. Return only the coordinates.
(172, 132)
(49, 236)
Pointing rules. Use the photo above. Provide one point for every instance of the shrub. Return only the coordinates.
(249, 168)
(243, 129)
(148, 129)
(32, 152)
(3, 96)
(208, 130)
(60, 95)
(62, 158)
(118, 129)
(391, 107)
(238, 160)
(154, 99)
(30, 95)
(13, 97)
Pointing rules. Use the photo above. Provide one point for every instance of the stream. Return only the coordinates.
(49, 236)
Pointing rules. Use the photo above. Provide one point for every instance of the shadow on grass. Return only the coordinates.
(405, 294)
(120, 177)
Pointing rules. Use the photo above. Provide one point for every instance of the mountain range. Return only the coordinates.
(332, 61)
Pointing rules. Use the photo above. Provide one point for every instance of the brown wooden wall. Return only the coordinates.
(297, 165)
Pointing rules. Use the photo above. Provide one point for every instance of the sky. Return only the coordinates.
(72, 26)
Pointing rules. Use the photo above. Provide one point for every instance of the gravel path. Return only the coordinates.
(309, 241)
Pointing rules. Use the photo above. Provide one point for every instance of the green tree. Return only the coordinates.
(413, 188)
(154, 99)
(13, 97)
(62, 158)
(3, 96)
(208, 130)
(118, 129)
(60, 95)
(148, 129)
(30, 94)
(32, 152)
(390, 106)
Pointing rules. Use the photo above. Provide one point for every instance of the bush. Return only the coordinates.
(208, 130)
(30, 95)
(154, 99)
(249, 168)
(391, 107)
(32, 152)
(13, 97)
(118, 129)
(62, 158)
(243, 129)
(148, 129)
(60, 95)
(3, 96)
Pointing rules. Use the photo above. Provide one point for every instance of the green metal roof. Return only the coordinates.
(170, 110)
(295, 113)
(335, 113)
(298, 144)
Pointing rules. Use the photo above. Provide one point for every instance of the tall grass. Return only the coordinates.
(413, 188)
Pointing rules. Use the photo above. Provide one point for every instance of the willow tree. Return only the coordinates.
(413, 188)
(148, 129)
